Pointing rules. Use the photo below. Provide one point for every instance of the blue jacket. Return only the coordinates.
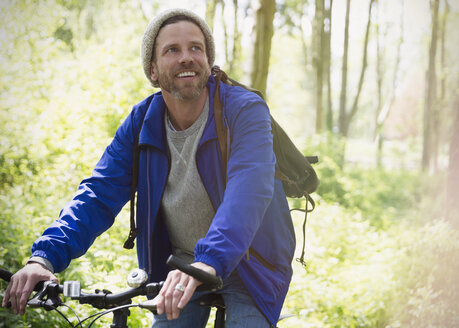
(251, 212)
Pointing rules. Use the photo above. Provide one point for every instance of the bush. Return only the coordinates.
(361, 276)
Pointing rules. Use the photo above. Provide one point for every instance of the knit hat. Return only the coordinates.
(149, 37)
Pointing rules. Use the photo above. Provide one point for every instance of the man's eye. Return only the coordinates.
(172, 50)
(196, 48)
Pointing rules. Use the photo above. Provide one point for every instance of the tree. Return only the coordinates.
(383, 106)
(452, 205)
(236, 49)
(430, 91)
(264, 31)
(439, 109)
(318, 60)
(327, 62)
(211, 8)
(345, 117)
(343, 94)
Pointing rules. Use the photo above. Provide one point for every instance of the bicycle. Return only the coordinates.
(48, 295)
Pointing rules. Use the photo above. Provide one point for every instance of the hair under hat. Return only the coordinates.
(153, 28)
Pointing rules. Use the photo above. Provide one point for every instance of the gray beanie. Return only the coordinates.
(152, 31)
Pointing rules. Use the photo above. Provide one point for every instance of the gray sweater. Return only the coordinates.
(186, 205)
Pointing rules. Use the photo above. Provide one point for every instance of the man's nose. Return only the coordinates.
(186, 57)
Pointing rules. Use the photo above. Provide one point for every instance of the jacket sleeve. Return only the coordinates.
(249, 189)
(95, 205)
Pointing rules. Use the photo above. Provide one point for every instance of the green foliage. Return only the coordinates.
(60, 107)
(382, 196)
(361, 276)
(376, 256)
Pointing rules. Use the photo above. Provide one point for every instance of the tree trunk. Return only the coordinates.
(379, 82)
(382, 110)
(438, 110)
(379, 71)
(327, 61)
(264, 31)
(343, 95)
(225, 33)
(318, 61)
(430, 92)
(305, 51)
(452, 205)
(355, 104)
(236, 42)
(211, 8)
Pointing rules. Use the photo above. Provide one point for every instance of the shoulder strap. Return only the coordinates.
(222, 132)
(129, 243)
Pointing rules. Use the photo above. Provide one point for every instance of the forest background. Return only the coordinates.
(371, 87)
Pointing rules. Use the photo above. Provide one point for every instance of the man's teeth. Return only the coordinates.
(185, 74)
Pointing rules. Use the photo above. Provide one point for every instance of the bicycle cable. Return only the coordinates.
(74, 312)
(98, 315)
(63, 315)
(80, 324)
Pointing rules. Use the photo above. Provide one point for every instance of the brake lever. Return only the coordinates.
(50, 290)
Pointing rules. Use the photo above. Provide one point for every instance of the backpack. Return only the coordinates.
(294, 169)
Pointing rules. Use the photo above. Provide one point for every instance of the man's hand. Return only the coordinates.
(22, 284)
(171, 299)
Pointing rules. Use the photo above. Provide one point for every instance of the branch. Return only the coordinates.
(364, 65)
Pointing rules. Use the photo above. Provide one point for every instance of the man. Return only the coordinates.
(235, 224)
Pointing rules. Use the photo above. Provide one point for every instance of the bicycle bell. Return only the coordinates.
(136, 278)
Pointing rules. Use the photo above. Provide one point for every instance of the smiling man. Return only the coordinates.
(235, 224)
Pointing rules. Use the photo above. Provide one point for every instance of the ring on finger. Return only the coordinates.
(180, 287)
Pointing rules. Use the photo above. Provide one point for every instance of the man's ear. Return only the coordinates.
(153, 72)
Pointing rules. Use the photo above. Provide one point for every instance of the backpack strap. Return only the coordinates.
(306, 210)
(129, 243)
(222, 133)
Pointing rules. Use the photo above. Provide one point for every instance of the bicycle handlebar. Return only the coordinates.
(105, 299)
(209, 281)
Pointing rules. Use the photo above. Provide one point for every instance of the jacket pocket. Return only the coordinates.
(255, 254)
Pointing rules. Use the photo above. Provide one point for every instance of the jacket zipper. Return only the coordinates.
(150, 268)
(150, 246)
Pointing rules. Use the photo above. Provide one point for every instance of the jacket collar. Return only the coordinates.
(209, 131)
(153, 132)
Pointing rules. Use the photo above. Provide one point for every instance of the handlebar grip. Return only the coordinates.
(206, 278)
(5, 275)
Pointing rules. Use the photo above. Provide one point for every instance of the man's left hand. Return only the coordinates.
(177, 291)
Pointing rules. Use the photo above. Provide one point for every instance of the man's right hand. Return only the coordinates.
(22, 284)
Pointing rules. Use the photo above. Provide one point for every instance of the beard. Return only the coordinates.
(189, 91)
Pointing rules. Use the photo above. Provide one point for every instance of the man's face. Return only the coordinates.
(181, 67)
